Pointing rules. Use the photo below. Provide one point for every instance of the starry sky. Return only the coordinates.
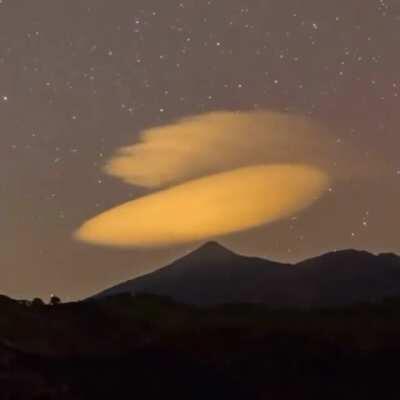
(78, 80)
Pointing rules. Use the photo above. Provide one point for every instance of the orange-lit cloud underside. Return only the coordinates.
(207, 207)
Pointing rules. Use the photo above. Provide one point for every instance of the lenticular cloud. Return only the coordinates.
(215, 174)
(207, 207)
(196, 146)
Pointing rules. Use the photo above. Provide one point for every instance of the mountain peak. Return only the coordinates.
(212, 248)
(212, 244)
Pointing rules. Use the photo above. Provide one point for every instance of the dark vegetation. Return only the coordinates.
(150, 347)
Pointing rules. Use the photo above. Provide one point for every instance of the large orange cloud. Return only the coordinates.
(222, 172)
(207, 207)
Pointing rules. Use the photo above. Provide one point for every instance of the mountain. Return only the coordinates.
(350, 276)
(213, 274)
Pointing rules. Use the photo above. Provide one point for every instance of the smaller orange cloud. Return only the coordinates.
(207, 207)
(220, 141)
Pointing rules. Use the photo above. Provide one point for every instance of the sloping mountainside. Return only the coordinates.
(213, 274)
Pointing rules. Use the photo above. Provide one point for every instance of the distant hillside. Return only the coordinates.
(148, 346)
(213, 274)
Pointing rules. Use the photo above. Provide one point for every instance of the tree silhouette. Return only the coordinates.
(37, 302)
(54, 300)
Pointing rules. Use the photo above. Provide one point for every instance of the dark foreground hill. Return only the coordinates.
(213, 274)
(150, 347)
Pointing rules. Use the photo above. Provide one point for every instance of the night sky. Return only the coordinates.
(79, 80)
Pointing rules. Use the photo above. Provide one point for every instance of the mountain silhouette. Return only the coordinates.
(213, 274)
